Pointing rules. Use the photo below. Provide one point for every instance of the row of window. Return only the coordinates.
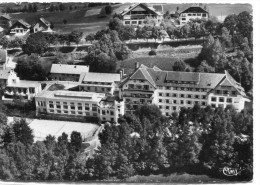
(221, 99)
(73, 107)
(196, 14)
(98, 83)
(196, 96)
(72, 103)
(103, 89)
(226, 92)
(188, 102)
(183, 88)
(142, 87)
(73, 112)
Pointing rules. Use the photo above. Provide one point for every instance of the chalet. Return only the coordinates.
(136, 14)
(193, 12)
(42, 25)
(20, 27)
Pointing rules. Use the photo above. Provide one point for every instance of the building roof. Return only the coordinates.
(24, 84)
(25, 24)
(6, 16)
(68, 69)
(158, 7)
(184, 79)
(5, 73)
(102, 77)
(138, 7)
(194, 9)
(3, 56)
(72, 95)
(44, 21)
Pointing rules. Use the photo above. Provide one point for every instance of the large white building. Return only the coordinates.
(193, 12)
(76, 103)
(171, 91)
(137, 13)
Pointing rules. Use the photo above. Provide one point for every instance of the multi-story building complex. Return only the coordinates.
(101, 83)
(193, 12)
(20, 27)
(83, 104)
(136, 14)
(64, 72)
(171, 91)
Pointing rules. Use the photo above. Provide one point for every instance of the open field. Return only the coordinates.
(43, 128)
(175, 178)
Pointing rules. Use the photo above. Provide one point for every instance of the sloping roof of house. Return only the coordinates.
(143, 5)
(6, 16)
(3, 56)
(44, 21)
(102, 77)
(25, 24)
(4, 74)
(194, 9)
(68, 69)
(191, 79)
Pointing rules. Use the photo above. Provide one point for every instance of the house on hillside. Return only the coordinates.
(20, 28)
(5, 21)
(42, 25)
(64, 72)
(136, 14)
(6, 76)
(192, 12)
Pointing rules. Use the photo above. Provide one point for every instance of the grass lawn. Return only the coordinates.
(176, 178)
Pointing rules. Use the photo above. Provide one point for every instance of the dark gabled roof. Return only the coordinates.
(22, 22)
(194, 9)
(143, 5)
(183, 76)
(3, 56)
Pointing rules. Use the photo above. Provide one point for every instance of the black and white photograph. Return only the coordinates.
(128, 92)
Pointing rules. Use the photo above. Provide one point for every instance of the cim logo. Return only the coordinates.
(228, 171)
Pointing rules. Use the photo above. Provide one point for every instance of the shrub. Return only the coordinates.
(152, 52)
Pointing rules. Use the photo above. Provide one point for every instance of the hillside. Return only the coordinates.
(89, 20)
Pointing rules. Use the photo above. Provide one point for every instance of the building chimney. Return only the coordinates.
(136, 65)
(121, 74)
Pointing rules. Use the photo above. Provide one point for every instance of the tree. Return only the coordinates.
(225, 38)
(204, 67)
(52, 26)
(65, 21)
(75, 36)
(127, 33)
(90, 37)
(4, 42)
(35, 7)
(245, 24)
(179, 65)
(155, 33)
(231, 22)
(108, 9)
(62, 7)
(35, 43)
(76, 141)
(23, 132)
(115, 24)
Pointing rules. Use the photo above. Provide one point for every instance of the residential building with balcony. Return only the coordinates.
(137, 13)
(20, 28)
(192, 12)
(64, 72)
(171, 91)
(101, 83)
